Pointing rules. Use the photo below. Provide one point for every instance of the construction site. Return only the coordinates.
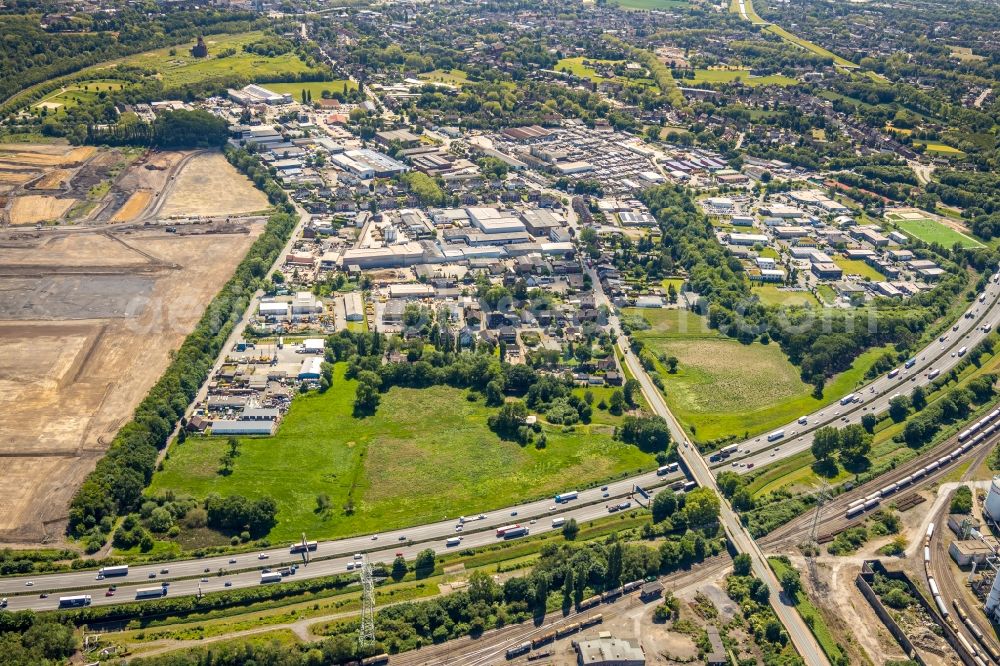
(91, 308)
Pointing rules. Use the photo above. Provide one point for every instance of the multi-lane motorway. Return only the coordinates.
(191, 577)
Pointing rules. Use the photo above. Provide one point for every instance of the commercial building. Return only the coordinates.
(353, 307)
(311, 368)
(226, 427)
(747, 239)
(392, 256)
(254, 94)
(367, 164)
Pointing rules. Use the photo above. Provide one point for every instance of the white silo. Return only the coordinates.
(992, 506)
(993, 600)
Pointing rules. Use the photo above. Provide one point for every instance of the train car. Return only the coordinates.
(873, 496)
(930, 530)
(871, 504)
(567, 630)
(376, 660)
(611, 594)
(956, 453)
(592, 620)
(964, 435)
(517, 651)
(942, 607)
(888, 490)
(905, 481)
(932, 466)
(857, 502)
(590, 603)
(855, 510)
(927, 554)
(634, 585)
(919, 473)
(935, 592)
(539, 641)
(943, 460)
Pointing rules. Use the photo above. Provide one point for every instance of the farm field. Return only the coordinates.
(315, 88)
(210, 185)
(858, 267)
(742, 75)
(725, 388)
(773, 295)
(941, 149)
(932, 231)
(402, 466)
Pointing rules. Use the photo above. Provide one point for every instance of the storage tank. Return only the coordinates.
(992, 506)
(993, 599)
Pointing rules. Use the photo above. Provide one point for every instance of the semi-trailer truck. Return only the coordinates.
(119, 570)
(847, 399)
(452, 542)
(301, 548)
(566, 497)
(75, 601)
(270, 577)
(667, 469)
(515, 533)
(150, 592)
(776, 435)
(503, 530)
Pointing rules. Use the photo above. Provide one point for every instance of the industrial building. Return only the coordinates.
(254, 94)
(239, 428)
(609, 651)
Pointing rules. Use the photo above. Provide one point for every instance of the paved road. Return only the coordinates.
(797, 630)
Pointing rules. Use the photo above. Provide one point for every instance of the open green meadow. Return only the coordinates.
(576, 67)
(725, 388)
(742, 75)
(772, 294)
(424, 455)
(182, 68)
(941, 149)
(315, 88)
(858, 267)
(79, 93)
(932, 231)
(454, 77)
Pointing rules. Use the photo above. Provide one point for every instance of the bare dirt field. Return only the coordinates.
(54, 180)
(209, 185)
(135, 205)
(33, 208)
(87, 323)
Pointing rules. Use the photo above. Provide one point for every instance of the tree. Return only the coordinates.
(398, 568)
(482, 588)
(855, 443)
(961, 501)
(899, 407)
(664, 505)
(613, 572)
(918, 398)
(570, 529)
(424, 564)
(790, 582)
(741, 565)
(825, 443)
(672, 364)
(701, 506)
(616, 404)
(508, 419)
(650, 433)
(868, 422)
(630, 390)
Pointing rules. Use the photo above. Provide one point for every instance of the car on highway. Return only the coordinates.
(401, 538)
(152, 574)
(606, 495)
(481, 516)
(263, 556)
(229, 583)
(604, 487)
(164, 571)
(232, 561)
(374, 537)
(30, 583)
(513, 513)
(204, 580)
(109, 593)
(43, 595)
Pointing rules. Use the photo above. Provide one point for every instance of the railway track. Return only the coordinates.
(967, 619)
(833, 515)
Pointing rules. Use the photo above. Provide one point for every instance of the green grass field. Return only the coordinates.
(454, 77)
(753, 17)
(743, 75)
(725, 388)
(182, 68)
(78, 93)
(315, 88)
(932, 231)
(424, 455)
(858, 267)
(772, 295)
(941, 149)
(827, 293)
(576, 67)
